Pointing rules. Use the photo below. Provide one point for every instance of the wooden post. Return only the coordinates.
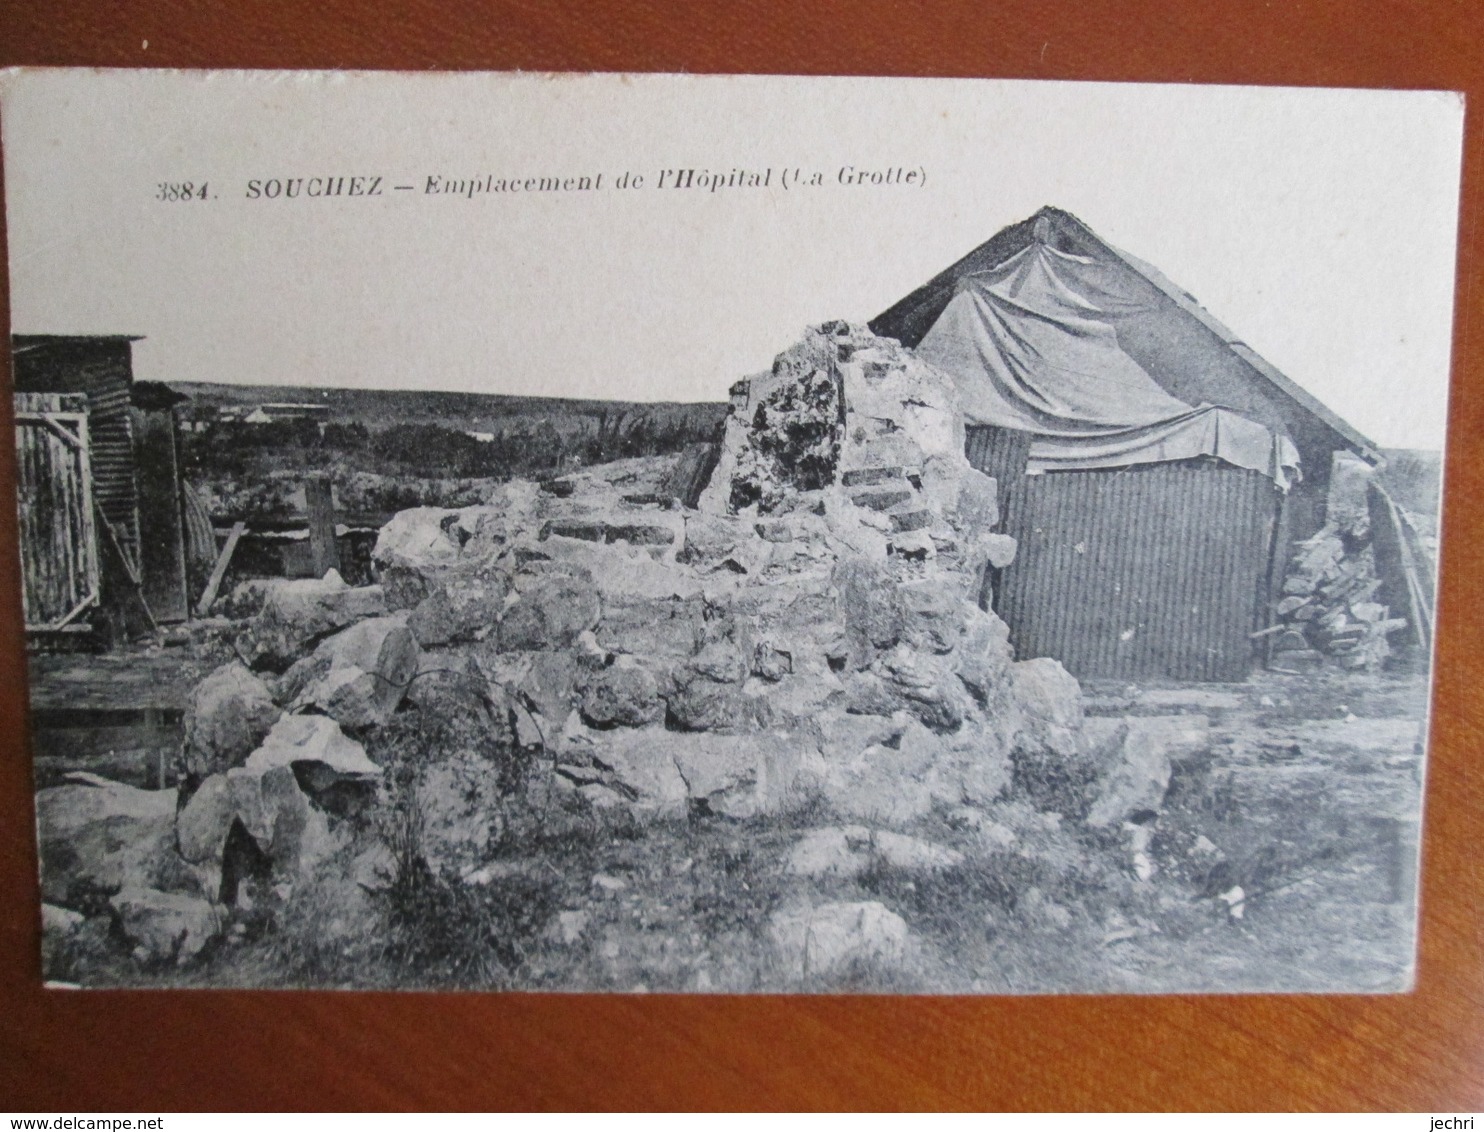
(1278, 562)
(162, 567)
(323, 553)
(154, 723)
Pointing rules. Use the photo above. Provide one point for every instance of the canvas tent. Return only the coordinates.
(1154, 469)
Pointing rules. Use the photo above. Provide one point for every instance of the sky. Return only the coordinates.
(1319, 225)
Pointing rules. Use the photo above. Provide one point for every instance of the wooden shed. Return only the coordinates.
(1155, 470)
(99, 483)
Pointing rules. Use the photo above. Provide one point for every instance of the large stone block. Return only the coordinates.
(933, 614)
(700, 704)
(1050, 703)
(621, 694)
(420, 537)
(96, 837)
(722, 543)
(423, 541)
(1133, 784)
(298, 614)
(653, 627)
(227, 716)
(551, 614)
(743, 776)
(548, 679)
(983, 656)
(802, 616)
(317, 742)
(640, 763)
(165, 926)
(907, 680)
(977, 507)
(287, 828)
(871, 606)
(461, 603)
(794, 699)
(880, 769)
(358, 676)
(999, 549)
(618, 571)
(844, 735)
(660, 773)
(204, 821)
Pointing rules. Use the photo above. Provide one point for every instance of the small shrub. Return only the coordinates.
(446, 931)
(738, 886)
(1054, 783)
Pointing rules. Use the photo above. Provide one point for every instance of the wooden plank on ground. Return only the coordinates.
(112, 681)
(219, 571)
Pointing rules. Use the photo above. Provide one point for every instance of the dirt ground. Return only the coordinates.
(1322, 776)
(1284, 859)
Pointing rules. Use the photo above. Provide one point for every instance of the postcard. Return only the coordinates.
(727, 533)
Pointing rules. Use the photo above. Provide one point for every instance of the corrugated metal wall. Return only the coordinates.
(113, 464)
(59, 554)
(1158, 570)
(998, 452)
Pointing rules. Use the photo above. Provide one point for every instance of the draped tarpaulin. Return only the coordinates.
(1030, 346)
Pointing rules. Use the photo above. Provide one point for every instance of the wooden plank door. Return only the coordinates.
(60, 578)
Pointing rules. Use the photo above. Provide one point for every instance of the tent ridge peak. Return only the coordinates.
(910, 318)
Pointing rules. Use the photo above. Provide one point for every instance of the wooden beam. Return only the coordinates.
(323, 553)
(219, 571)
(162, 560)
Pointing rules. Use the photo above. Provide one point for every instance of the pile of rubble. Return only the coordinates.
(812, 628)
(1328, 607)
(809, 634)
(251, 817)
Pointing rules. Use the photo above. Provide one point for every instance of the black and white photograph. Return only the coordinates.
(727, 534)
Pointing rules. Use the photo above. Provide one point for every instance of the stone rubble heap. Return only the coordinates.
(810, 633)
(812, 628)
(160, 861)
(1328, 608)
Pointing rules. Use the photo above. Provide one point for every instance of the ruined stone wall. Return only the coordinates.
(810, 635)
(812, 628)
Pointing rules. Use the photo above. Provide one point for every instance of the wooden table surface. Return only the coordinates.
(183, 1050)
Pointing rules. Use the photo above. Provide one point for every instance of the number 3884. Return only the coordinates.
(181, 190)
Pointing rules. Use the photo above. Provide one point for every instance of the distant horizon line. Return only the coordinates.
(434, 392)
(547, 397)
